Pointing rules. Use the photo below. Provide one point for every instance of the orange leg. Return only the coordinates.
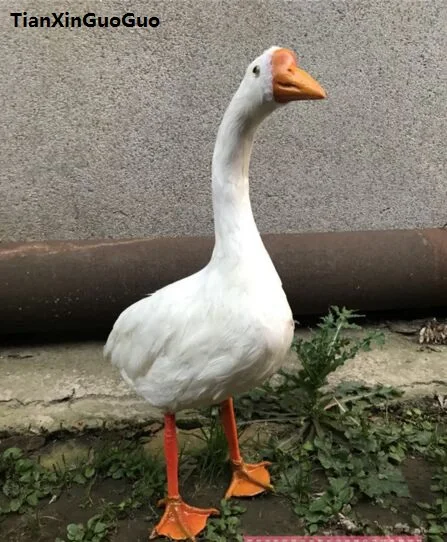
(180, 521)
(248, 479)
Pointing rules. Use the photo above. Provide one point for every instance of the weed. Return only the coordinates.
(332, 502)
(225, 528)
(301, 397)
(128, 461)
(434, 522)
(294, 469)
(95, 530)
(25, 482)
(210, 461)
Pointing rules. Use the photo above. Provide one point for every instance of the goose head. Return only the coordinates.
(274, 79)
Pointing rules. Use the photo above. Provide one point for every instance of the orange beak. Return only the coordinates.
(290, 82)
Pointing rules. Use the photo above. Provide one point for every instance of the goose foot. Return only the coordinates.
(249, 479)
(181, 521)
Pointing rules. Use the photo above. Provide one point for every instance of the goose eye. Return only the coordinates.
(256, 70)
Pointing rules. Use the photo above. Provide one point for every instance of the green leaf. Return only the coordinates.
(91, 522)
(12, 453)
(100, 527)
(338, 484)
(435, 529)
(15, 504)
(346, 495)
(320, 505)
(79, 478)
(308, 446)
(32, 499)
(75, 532)
(89, 472)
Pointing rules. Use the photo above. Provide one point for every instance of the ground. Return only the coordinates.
(265, 514)
(356, 433)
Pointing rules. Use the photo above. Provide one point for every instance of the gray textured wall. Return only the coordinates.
(109, 133)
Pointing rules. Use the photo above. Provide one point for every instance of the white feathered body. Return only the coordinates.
(204, 338)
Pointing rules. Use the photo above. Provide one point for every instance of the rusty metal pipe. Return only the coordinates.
(80, 285)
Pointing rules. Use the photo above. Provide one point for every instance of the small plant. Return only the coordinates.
(129, 461)
(332, 502)
(327, 350)
(225, 528)
(294, 469)
(211, 460)
(434, 522)
(95, 530)
(302, 397)
(24, 482)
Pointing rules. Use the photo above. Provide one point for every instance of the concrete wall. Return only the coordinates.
(109, 133)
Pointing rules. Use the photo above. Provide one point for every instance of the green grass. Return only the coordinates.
(211, 461)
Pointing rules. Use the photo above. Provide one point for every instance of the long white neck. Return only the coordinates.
(235, 229)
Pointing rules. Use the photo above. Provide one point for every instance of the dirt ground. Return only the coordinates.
(265, 514)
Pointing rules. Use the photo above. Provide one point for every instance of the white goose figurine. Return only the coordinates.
(228, 327)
